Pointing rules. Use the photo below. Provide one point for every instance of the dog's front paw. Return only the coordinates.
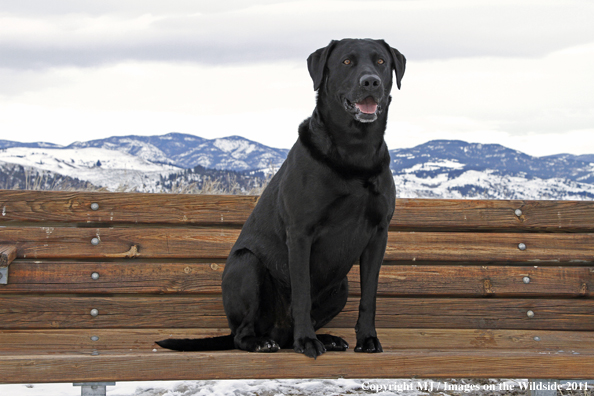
(369, 345)
(310, 347)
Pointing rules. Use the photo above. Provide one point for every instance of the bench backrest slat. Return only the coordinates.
(38, 312)
(118, 208)
(469, 214)
(215, 243)
(158, 260)
(224, 210)
(150, 277)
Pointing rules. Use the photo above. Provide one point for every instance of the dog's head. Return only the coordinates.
(357, 74)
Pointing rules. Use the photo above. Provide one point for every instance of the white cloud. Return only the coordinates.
(245, 32)
(540, 106)
(163, 87)
(260, 102)
(504, 72)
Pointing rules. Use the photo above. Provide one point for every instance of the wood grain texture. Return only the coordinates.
(143, 340)
(119, 243)
(7, 254)
(165, 365)
(454, 339)
(123, 242)
(80, 340)
(453, 300)
(470, 214)
(138, 276)
(132, 277)
(44, 312)
(472, 313)
(480, 281)
(135, 208)
(490, 247)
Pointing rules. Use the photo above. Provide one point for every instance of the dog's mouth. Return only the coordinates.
(367, 105)
(364, 110)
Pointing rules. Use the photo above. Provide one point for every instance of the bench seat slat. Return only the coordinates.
(30, 312)
(142, 340)
(114, 243)
(139, 276)
(164, 365)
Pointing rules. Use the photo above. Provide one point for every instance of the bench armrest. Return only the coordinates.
(7, 255)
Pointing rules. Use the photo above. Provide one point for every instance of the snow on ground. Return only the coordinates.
(71, 161)
(489, 185)
(102, 167)
(383, 387)
(130, 146)
(239, 148)
(121, 171)
(434, 165)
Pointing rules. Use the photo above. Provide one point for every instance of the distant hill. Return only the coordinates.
(436, 169)
(187, 151)
(17, 177)
(457, 169)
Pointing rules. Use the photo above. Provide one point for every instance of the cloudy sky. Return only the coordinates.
(518, 73)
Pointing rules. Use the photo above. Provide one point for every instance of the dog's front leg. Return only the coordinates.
(370, 264)
(305, 340)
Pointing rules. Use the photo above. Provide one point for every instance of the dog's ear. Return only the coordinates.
(316, 64)
(398, 62)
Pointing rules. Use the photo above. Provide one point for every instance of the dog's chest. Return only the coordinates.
(346, 227)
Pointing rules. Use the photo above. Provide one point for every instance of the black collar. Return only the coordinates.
(318, 142)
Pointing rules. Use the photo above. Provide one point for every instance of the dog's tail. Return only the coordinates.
(221, 343)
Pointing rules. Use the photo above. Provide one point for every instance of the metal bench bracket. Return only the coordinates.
(93, 388)
(3, 275)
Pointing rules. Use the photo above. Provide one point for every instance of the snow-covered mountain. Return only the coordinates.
(457, 169)
(187, 151)
(106, 168)
(181, 150)
(436, 169)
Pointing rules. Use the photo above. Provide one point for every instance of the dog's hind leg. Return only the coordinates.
(243, 281)
(324, 309)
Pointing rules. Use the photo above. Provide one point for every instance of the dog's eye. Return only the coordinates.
(380, 61)
(346, 61)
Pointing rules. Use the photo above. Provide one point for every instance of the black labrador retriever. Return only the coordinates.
(327, 207)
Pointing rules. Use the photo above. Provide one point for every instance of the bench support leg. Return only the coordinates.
(93, 388)
(548, 384)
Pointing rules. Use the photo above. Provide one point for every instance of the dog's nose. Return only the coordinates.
(370, 81)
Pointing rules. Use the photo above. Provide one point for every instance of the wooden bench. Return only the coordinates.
(469, 289)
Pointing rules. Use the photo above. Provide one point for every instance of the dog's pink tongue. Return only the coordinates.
(367, 105)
